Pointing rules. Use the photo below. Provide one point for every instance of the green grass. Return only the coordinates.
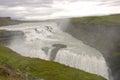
(43, 69)
(110, 20)
(5, 21)
(1, 31)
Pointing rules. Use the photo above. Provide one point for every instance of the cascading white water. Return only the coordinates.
(90, 63)
(45, 34)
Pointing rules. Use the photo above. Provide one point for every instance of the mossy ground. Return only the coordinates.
(110, 20)
(5, 21)
(38, 68)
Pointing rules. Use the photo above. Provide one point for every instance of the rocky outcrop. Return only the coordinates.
(8, 72)
(7, 36)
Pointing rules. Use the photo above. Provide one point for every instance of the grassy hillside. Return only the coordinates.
(41, 69)
(4, 21)
(110, 20)
(102, 33)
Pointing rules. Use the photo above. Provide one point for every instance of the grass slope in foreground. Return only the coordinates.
(38, 68)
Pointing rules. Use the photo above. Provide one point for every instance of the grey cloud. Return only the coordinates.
(47, 3)
(40, 7)
(29, 5)
(110, 2)
(34, 3)
(116, 3)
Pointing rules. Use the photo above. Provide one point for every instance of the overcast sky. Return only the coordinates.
(51, 9)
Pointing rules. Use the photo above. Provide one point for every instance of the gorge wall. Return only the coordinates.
(104, 38)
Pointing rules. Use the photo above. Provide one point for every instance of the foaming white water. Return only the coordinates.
(45, 34)
(80, 60)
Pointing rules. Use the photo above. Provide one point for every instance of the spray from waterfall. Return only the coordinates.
(63, 23)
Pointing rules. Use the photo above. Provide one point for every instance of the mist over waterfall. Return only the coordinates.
(47, 40)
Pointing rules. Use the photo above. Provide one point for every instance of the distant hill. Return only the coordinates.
(109, 20)
(4, 21)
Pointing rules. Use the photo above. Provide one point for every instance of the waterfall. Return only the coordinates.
(89, 63)
(47, 41)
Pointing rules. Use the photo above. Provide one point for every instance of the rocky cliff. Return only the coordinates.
(101, 33)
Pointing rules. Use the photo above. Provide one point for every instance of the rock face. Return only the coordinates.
(9, 73)
(106, 39)
(7, 36)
